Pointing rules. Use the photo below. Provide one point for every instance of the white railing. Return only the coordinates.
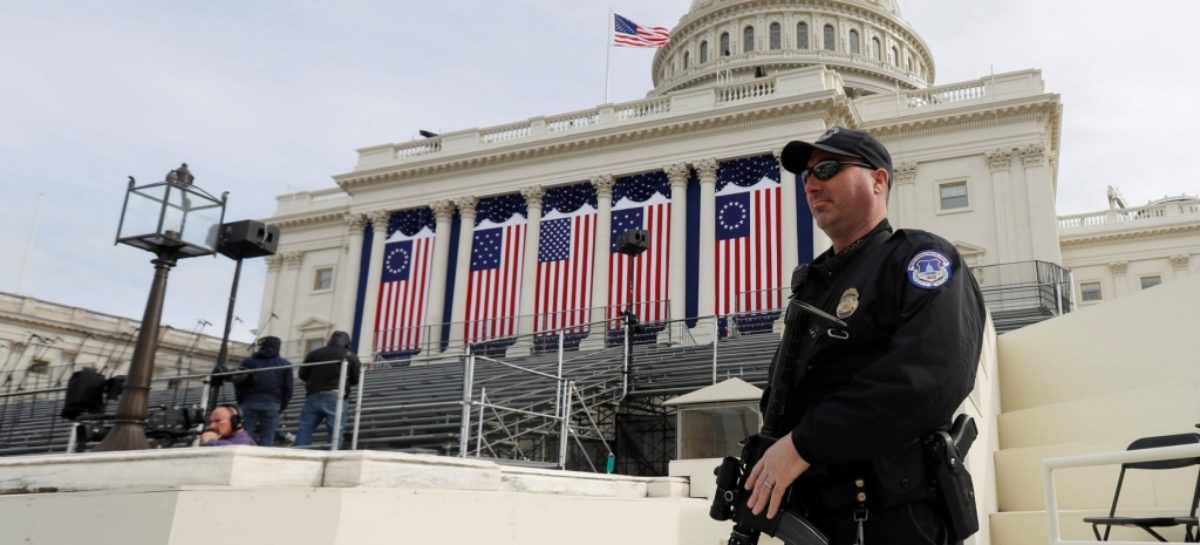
(1049, 465)
(505, 133)
(945, 95)
(753, 89)
(418, 148)
(1153, 212)
(644, 108)
(570, 122)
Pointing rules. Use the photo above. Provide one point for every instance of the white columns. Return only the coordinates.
(347, 283)
(443, 212)
(1000, 163)
(903, 199)
(1043, 219)
(533, 232)
(274, 264)
(379, 226)
(706, 169)
(466, 234)
(787, 218)
(601, 257)
(289, 289)
(676, 291)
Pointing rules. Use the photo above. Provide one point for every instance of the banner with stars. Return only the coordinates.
(494, 280)
(404, 287)
(641, 202)
(749, 274)
(565, 254)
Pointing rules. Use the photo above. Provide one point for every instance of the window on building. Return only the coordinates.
(876, 49)
(313, 344)
(39, 367)
(829, 36)
(953, 195)
(1090, 291)
(895, 56)
(725, 52)
(855, 46)
(686, 59)
(776, 36)
(801, 35)
(1151, 281)
(748, 39)
(703, 52)
(323, 279)
(909, 65)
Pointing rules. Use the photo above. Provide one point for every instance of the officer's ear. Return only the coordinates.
(880, 181)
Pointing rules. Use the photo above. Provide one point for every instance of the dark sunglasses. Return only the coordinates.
(829, 168)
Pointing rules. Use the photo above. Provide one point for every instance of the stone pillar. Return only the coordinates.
(466, 234)
(347, 283)
(366, 329)
(533, 232)
(676, 291)
(443, 213)
(788, 220)
(706, 169)
(289, 292)
(904, 196)
(598, 328)
(274, 264)
(1043, 220)
(1000, 163)
(1180, 264)
(1120, 279)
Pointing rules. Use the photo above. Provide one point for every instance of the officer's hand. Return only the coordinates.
(774, 472)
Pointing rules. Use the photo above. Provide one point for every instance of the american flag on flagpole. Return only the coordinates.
(641, 203)
(494, 280)
(627, 33)
(749, 243)
(565, 254)
(403, 292)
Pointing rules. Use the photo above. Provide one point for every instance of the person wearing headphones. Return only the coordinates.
(225, 428)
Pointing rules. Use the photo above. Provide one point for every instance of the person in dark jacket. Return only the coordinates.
(264, 395)
(904, 363)
(321, 387)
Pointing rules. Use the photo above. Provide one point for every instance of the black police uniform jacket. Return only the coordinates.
(915, 320)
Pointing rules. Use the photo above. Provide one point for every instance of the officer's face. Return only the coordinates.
(843, 204)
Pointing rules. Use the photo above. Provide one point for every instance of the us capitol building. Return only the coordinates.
(975, 161)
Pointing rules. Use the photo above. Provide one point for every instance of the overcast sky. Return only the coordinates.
(267, 97)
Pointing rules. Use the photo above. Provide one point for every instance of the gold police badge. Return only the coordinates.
(848, 303)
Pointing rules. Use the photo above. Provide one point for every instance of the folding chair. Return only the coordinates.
(1189, 522)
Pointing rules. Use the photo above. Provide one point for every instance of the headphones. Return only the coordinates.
(235, 420)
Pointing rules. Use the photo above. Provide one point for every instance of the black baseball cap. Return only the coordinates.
(840, 141)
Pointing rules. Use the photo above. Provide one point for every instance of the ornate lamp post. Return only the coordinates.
(174, 220)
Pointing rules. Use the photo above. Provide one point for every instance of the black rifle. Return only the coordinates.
(805, 327)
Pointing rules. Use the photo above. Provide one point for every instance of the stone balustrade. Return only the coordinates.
(1185, 211)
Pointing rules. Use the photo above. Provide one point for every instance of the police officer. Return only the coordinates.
(915, 321)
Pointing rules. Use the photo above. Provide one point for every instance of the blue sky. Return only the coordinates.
(267, 97)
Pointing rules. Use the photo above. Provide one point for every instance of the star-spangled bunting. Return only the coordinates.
(404, 286)
(494, 280)
(749, 244)
(627, 33)
(565, 254)
(641, 202)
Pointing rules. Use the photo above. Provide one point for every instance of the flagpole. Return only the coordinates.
(607, 50)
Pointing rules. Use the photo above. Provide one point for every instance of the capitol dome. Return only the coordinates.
(726, 41)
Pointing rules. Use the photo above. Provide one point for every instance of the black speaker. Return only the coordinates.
(633, 242)
(248, 238)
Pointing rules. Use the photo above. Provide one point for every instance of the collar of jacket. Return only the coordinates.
(829, 265)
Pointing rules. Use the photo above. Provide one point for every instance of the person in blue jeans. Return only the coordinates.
(263, 395)
(321, 387)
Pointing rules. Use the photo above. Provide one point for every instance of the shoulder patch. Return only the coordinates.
(929, 269)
